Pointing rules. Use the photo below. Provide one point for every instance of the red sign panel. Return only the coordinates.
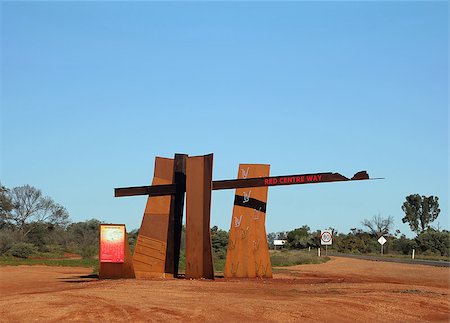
(112, 243)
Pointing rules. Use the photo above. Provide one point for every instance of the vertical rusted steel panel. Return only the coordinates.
(150, 252)
(176, 215)
(198, 208)
(111, 270)
(248, 251)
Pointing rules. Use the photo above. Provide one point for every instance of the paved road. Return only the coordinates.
(400, 260)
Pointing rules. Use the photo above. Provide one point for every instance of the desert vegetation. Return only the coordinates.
(34, 226)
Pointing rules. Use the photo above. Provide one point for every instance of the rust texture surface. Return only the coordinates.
(108, 270)
(150, 251)
(198, 206)
(176, 215)
(248, 251)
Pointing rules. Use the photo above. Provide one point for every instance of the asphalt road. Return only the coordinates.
(399, 260)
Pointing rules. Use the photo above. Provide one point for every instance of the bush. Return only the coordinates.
(219, 241)
(434, 242)
(22, 250)
(7, 240)
(89, 251)
(132, 239)
(39, 235)
(356, 242)
(82, 238)
(295, 257)
(404, 245)
(300, 238)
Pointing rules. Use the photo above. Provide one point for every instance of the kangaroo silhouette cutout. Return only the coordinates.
(237, 222)
(264, 270)
(245, 172)
(260, 269)
(244, 233)
(256, 244)
(256, 214)
(257, 268)
(234, 268)
(247, 196)
(232, 244)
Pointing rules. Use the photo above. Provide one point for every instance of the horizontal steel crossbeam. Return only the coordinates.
(161, 190)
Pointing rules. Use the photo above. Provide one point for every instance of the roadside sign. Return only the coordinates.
(326, 237)
(382, 240)
(279, 242)
(112, 239)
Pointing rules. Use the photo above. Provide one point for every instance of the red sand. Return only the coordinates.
(341, 290)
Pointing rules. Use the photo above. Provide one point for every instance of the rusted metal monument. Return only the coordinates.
(157, 250)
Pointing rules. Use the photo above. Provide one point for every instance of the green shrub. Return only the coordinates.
(23, 250)
(432, 242)
(6, 241)
(38, 236)
(295, 257)
(182, 263)
(89, 251)
(404, 245)
(301, 238)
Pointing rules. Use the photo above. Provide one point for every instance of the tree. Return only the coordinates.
(378, 225)
(5, 202)
(357, 241)
(219, 241)
(28, 206)
(132, 239)
(5, 205)
(404, 245)
(300, 238)
(82, 237)
(420, 211)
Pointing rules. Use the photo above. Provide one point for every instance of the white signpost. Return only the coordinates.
(279, 243)
(382, 240)
(326, 239)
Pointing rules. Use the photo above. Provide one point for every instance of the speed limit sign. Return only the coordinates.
(326, 237)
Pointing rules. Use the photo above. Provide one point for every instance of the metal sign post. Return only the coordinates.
(382, 240)
(326, 239)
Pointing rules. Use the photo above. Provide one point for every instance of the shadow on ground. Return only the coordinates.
(80, 279)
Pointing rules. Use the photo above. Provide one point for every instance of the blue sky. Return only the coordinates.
(91, 92)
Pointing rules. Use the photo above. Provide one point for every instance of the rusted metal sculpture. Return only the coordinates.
(158, 248)
(176, 215)
(199, 263)
(248, 251)
(149, 257)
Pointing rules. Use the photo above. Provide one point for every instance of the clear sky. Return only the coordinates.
(91, 92)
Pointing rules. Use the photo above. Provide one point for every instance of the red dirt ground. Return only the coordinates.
(341, 290)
